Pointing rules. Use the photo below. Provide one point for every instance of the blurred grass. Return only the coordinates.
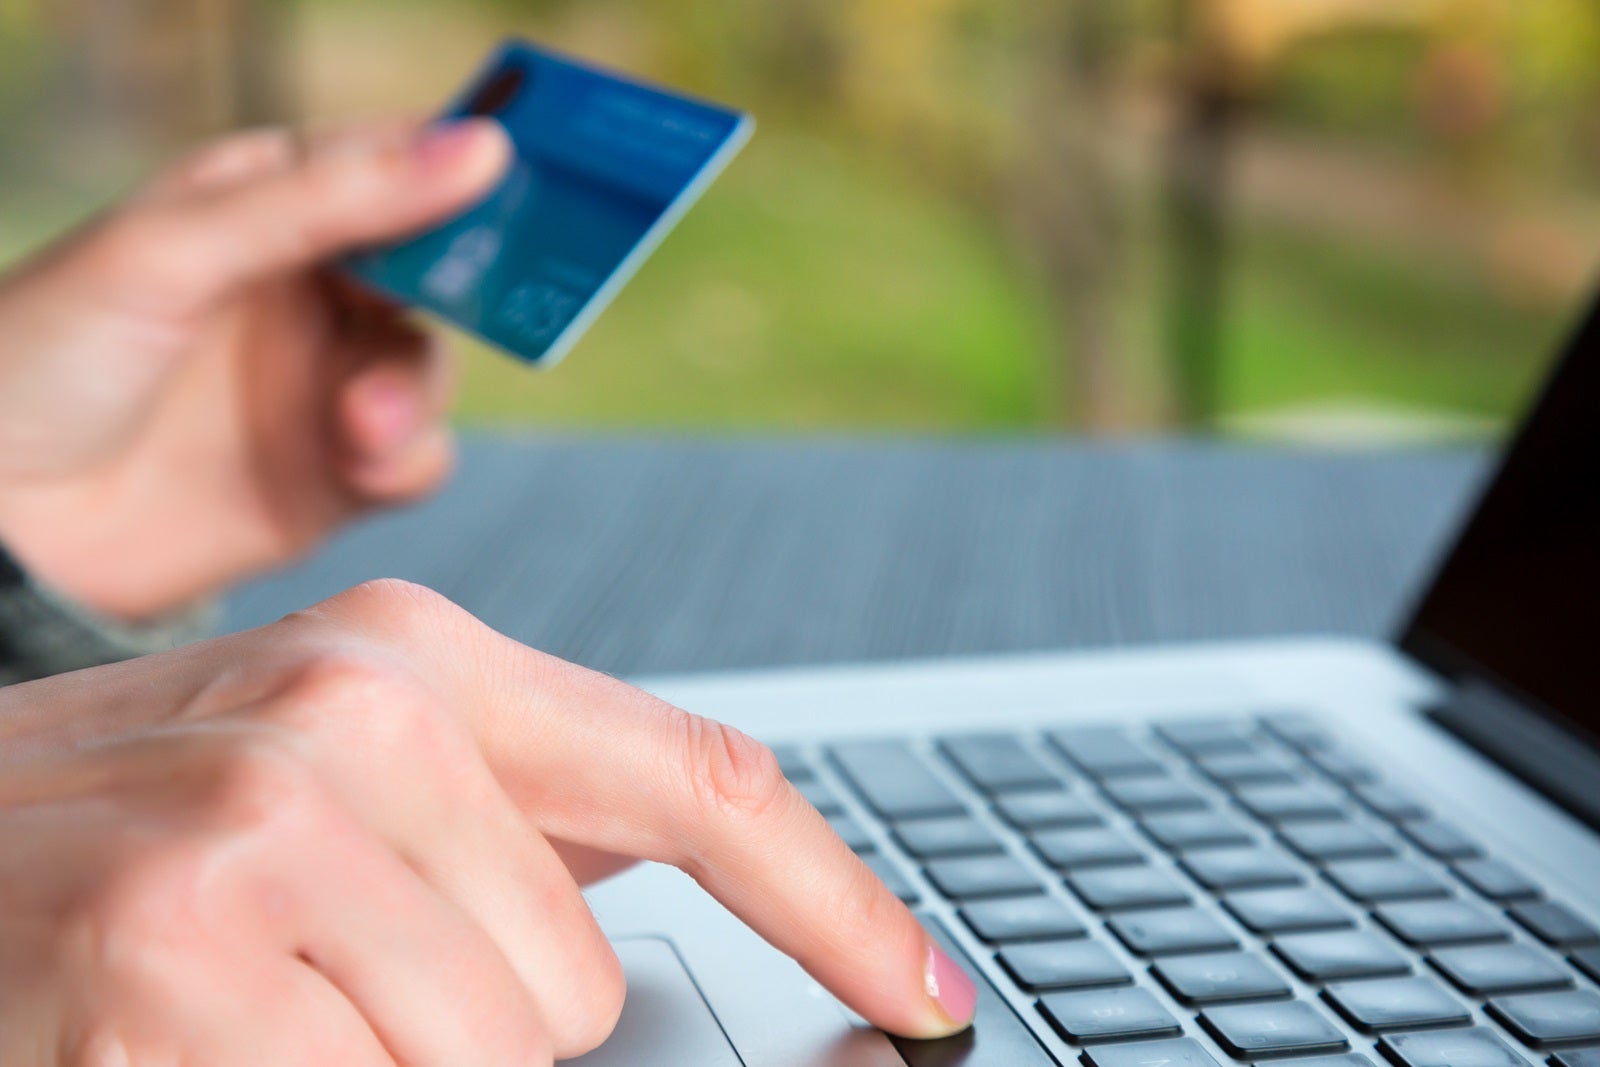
(1316, 317)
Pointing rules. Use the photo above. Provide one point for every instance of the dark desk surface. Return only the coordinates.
(644, 556)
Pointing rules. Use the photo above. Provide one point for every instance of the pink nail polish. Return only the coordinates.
(391, 412)
(445, 144)
(948, 986)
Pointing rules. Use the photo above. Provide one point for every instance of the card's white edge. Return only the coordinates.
(647, 245)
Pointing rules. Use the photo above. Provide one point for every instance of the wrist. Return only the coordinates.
(77, 546)
(44, 632)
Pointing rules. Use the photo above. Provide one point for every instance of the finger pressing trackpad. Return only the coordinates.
(665, 1021)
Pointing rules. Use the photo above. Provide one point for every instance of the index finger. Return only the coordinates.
(605, 764)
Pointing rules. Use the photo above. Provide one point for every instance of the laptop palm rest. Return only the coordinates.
(665, 1020)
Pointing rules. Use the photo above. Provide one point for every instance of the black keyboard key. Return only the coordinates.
(928, 839)
(1372, 881)
(1232, 769)
(1074, 850)
(981, 876)
(1544, 1019)
(1390, 802)
(1070, 850)
(1588, 961)
(793, 763)
(1168, 931)
(1249, 1030)
(1220, 977)
(1440, 922)
(894, 781)
(1555, 924)
(1339, 839)
(1181, 1052)
(852, 833)
(1478, 1047)
(1240, 868)
(1108, 1015)
(1153, 793)
(1484, 970)
(891, 876)
(1188, 830)
(1040, 811)
(1277, 911)
(1581, 1057)
(1077, 964)
(1298, 731)
(821, 797)
(1002, 1041)
(1120, 888)
(998, 763)
(1440, 839)
(1341, 954)
(1033, 918)
(1396, 1004)
(1105, 753)
(1302, 802)
(1497, 880)
(1342, 766)
(1194, 736)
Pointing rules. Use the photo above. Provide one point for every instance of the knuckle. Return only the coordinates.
(129, 930)
(256, 784)
(729, 773)
(130, 241)
(591, 1011)
(337, 695)
(526, 1045)
(389, 600)
(388, 613)
(328, 682)
(346, 182)
(332, 178)
(869, 908)
(508, 1030)
(98, 1044)
(143, 255)
(159, 899)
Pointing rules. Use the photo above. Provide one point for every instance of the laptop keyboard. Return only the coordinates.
(1249, 883)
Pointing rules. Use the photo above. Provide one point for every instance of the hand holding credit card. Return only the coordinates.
(604, 167)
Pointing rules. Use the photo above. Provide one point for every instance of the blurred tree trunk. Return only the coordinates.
(263, 63)
(1207, 111)
(803, 47)
(169, 71)
(1067, 204)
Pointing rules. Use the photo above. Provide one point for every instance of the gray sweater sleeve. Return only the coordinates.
(43, 632)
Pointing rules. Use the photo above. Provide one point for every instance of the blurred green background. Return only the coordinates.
(1340, 220)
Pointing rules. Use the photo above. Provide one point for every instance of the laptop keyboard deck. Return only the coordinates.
(1143, 886)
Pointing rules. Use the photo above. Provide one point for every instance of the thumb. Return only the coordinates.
(334, 195)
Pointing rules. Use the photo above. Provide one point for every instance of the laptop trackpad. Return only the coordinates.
(665, 1021)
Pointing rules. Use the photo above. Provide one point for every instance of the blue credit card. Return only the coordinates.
(604, 167)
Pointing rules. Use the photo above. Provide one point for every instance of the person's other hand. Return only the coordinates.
(187, 397)
(356, 837)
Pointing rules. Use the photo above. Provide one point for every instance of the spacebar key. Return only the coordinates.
(894, 782)
(997, 1037)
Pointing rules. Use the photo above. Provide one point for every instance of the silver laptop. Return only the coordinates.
(1323, 852)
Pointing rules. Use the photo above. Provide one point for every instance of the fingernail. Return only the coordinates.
(445, 144)
(391, 412)
(948, 986)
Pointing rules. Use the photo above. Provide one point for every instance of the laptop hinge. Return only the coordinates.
(1529, 745)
